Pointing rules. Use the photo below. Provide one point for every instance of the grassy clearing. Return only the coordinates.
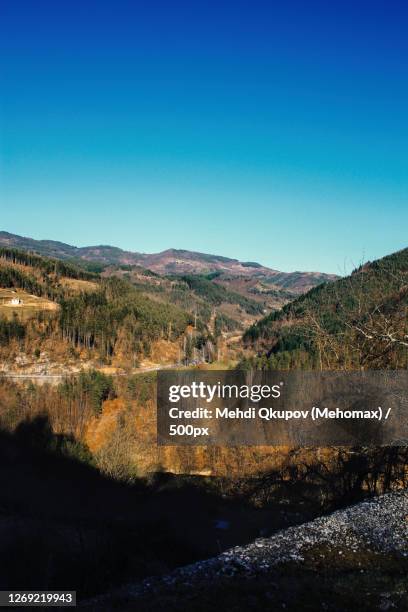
(77, 285)
(29, 306)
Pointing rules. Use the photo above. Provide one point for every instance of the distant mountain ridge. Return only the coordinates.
(170, 261)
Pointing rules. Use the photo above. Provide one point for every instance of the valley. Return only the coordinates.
(100, 307)
(113, 329)
(80, 345)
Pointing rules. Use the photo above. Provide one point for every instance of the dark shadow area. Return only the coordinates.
(63, 525)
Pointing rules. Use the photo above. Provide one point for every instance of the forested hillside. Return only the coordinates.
(117, 317)
(357, 321)
(199, 294)
(36, 274)
(106, 317)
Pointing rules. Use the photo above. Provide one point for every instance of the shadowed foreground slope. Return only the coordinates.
(356, 558)
(63, 525)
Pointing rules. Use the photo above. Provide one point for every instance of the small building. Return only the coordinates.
(16, 301)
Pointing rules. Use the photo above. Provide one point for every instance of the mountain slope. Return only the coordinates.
(357, 321)
(48, 305)
(171, 261)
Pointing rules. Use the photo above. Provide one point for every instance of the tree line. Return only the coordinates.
(46, 265)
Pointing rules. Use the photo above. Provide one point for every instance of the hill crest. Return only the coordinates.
(169, 261)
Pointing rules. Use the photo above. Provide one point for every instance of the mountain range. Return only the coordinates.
(176, 262)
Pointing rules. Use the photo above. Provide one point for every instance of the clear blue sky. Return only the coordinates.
(268, 131)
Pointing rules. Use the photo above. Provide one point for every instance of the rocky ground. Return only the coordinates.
(356, 558)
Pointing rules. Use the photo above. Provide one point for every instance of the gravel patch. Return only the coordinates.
(379, 525)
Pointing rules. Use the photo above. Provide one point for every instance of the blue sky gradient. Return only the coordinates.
(268, 131)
